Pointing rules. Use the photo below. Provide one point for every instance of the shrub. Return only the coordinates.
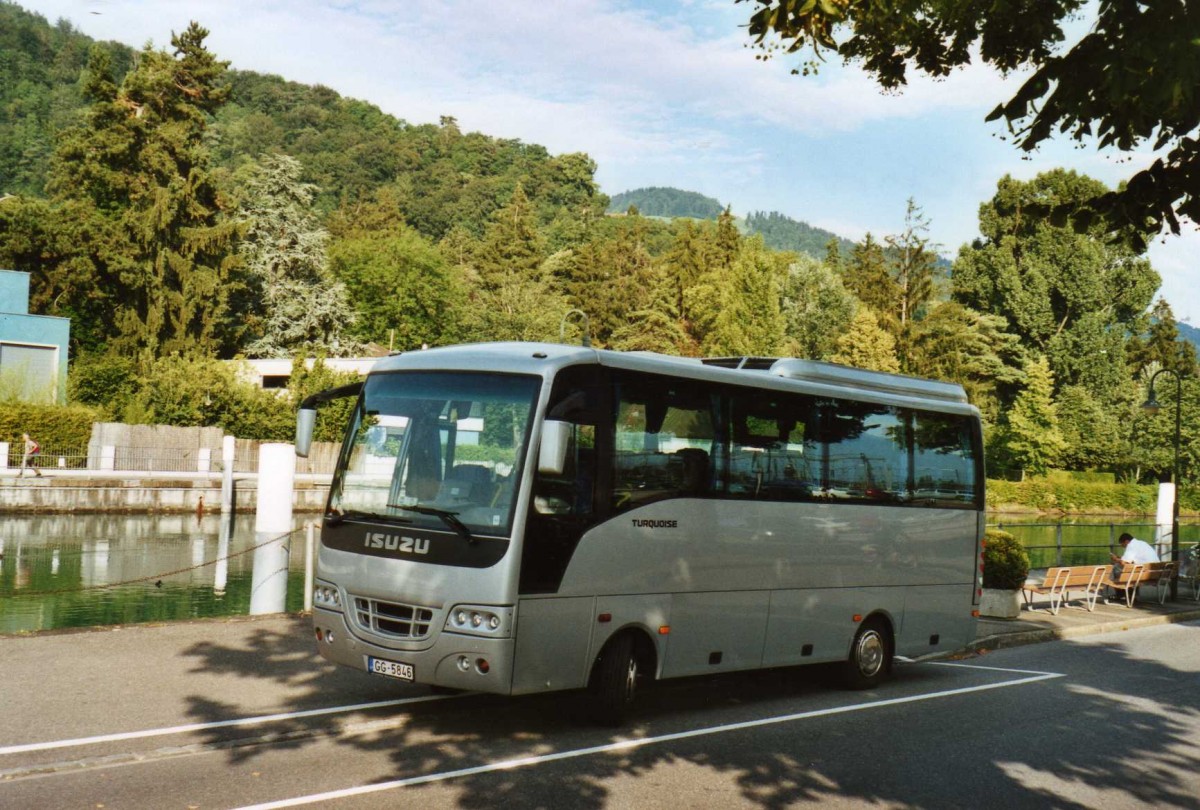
(57, 428)
(1005, 561)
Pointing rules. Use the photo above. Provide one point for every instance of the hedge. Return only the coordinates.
(1064, 495)
(55, 427)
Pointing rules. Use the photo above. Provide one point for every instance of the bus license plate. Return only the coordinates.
(393, 669)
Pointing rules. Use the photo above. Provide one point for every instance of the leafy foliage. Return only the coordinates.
(1132, 80)
(1005, 561)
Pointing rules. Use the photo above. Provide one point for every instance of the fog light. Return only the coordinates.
(482, 665)
(464, 663)
(328, 636)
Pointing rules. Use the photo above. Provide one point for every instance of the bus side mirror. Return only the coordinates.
(552, 457)
(306, 419)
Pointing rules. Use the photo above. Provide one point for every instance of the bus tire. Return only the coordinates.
(870, 658)
(614, 680)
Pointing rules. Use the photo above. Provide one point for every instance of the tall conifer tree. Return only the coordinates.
(140, 165)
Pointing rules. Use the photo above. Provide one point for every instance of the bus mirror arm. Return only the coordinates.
(552, 455)
(306, 417)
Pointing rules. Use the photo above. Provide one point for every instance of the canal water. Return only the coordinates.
(60, 571)
(1084, 540)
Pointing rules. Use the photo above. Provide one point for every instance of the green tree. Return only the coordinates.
(1035, 441)
(1132, 79)
(1067, 294)
(1092, 434)
(283, 250)
(867, 274)
(914, 259)
(866, 344)
(139, 166)
(1162, 344)
(512, 245)
(958, 344)
(747, 319)
(402, 287)
(817, 308)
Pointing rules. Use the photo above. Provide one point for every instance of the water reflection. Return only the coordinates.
(61, 571)
(1086, 540)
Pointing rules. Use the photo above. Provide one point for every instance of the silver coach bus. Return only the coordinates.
(519, 518)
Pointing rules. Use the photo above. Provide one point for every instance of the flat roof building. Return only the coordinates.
(33, 348)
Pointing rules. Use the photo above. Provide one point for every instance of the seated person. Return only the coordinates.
(1136, 551)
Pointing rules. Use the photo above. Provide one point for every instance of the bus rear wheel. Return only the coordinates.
(870, 658)
(614, 681)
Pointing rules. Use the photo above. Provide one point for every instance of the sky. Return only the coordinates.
(658, 93)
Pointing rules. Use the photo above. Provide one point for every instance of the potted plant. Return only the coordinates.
(1005, 566)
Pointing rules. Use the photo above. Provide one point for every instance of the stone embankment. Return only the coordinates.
(90, 491)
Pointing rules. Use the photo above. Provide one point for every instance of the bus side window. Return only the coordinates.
(663, 443)
(944, 464)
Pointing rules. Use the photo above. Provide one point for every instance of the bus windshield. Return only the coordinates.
(438, 450)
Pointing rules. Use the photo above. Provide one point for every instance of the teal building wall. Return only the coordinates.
(33, 348)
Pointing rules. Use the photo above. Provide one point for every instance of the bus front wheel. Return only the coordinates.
(870, 656)
(614, 681)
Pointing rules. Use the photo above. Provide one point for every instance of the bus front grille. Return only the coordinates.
(391, 619)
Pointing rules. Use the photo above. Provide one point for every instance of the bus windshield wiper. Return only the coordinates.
(449, 518)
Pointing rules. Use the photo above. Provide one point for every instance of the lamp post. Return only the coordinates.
(1151, 406)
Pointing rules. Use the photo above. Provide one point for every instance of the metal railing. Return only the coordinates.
(1057, 544)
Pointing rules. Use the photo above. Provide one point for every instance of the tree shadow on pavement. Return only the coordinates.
(1017, 746)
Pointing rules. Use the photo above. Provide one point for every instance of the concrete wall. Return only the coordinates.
(163, 448)
(83, 493)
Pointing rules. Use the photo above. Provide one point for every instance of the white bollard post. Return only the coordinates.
(221, 571)
(272, 524)
(1164, 518)
(108, 457)
(310, 532)
(228, 451)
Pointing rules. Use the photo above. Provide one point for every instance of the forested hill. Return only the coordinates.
(781, 232)
(657, 201)
(348, 148)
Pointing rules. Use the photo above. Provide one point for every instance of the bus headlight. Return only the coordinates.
(479, 620)
(326, 595)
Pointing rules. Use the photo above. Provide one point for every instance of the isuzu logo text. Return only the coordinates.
(396, 542)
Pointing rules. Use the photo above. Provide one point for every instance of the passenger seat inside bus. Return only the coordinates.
(467, 482)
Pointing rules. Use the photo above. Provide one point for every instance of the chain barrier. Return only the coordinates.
(159, 576)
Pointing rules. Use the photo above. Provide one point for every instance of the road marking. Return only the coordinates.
(641, 742)
(241, 721)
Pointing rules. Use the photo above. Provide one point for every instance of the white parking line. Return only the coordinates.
(641, 742)
(241, 721)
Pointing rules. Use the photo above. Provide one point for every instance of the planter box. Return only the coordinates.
(1000, 604)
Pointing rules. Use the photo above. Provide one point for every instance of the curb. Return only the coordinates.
(1000, 641)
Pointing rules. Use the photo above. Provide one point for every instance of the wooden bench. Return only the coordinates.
(1059, 582)
(1134, 575)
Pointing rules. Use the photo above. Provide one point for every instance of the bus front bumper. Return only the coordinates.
(454, 660)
